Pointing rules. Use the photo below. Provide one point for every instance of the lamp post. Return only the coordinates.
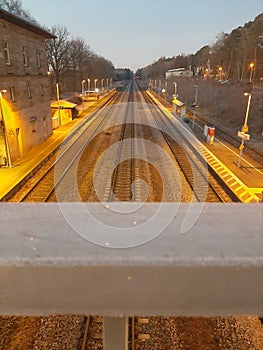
(194, 105)
(244, 128)
(50, 82)
(3, 125)
(82, 90)
(58, 98)
(251, 66)
(175, 89)
(88, 85)
(102, 84)
(220, 72)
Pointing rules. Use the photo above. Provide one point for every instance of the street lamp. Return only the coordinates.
(3, 125)
(220, 72)
(82, 90)
(50, 82)
(244, 129)
(88, 85)
(58, 99)
(251, 66)
(175, 89)
(194, 105)
(150, 84)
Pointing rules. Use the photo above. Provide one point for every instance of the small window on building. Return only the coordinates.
(6, 52)
(12, 94)
(28, 91)
(41, 90)
(25, 56)
(38, 58)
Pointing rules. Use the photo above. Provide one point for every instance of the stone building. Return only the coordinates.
(178, 72)
(25, 118)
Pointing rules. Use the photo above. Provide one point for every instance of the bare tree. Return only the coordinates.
(15, 7)
(80, 56)
(58, 53)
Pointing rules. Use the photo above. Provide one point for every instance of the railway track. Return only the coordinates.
(204, 184)
(128, 162)
(44, 187)
(93, 333)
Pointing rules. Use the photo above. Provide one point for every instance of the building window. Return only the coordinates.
(12, 94)
(38, 58)
(25, 56)
(28, 91)
(6, 52)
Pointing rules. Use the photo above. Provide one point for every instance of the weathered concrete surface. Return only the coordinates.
(215, 268)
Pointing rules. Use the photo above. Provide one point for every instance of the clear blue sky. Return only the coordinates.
(134, 33)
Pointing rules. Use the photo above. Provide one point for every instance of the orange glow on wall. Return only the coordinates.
(10, 116)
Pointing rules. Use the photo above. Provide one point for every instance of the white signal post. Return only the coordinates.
(82, 90)
(244, 130)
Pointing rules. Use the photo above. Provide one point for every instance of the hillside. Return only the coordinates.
(233, 53)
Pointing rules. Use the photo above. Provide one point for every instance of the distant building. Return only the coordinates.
(178, 72)
(25, 118)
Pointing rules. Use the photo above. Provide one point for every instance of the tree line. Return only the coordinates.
(237, 56)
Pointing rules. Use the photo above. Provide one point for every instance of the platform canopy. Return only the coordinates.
(63, 104)
(178, 103)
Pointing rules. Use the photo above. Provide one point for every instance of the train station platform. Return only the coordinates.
(222, 157)
(21, 169)
(246, 180)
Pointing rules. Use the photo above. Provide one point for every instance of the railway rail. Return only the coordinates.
(126, 169)
(43, 188)
(193, 166)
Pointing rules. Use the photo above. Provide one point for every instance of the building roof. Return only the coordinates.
(63, 104)
(7, 16)
(176, 70)
(178, 103)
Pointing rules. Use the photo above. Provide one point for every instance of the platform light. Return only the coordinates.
(251, 67)
(244, 128)
(82, 90)
(3, 125)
